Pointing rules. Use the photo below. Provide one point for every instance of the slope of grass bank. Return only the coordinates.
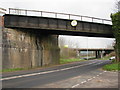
(112, 67)
(11, 70)
(104, 58)
(64, 61)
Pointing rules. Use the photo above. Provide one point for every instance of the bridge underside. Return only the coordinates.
(58, 26)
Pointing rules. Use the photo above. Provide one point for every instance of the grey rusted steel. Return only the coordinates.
(58, 26)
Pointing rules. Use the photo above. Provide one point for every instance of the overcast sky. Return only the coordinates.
(94, 8)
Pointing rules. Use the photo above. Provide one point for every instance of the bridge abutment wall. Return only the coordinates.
(24, 48)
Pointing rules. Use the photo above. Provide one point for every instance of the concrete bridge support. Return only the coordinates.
(1, 18)
(24, 48)
(99, 54)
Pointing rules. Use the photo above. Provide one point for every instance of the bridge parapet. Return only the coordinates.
(58, 15)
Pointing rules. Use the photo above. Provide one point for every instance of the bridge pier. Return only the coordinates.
(24, 48)
(99, 54)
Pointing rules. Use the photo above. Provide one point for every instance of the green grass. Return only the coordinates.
(112, 67)
(64, 61)
(104, 58)
(11, 70)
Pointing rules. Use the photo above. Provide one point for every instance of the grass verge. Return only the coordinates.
(64, 61)
(112, 67)
(104, 58)
(11, 70)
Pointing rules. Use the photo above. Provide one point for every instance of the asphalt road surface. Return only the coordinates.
(38, 78)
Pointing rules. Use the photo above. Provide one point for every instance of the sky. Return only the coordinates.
(95, 8)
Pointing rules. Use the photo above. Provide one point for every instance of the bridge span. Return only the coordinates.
(99, 52)
(19, 18)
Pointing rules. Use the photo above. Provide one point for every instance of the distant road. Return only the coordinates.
(38, 78)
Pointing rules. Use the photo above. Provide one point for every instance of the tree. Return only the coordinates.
(116, 31)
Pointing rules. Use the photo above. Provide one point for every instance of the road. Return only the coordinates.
(39, 78)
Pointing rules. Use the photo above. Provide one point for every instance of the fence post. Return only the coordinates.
(92, 19)
(9, 10)
(102, 21)
(81, 18)
(41, 13)
(26, 12)
(69, 16)
(55, 15)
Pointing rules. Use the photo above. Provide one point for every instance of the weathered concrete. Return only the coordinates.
(0, 51)
(24, 48)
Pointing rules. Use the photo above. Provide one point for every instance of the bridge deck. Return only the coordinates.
(58, 26)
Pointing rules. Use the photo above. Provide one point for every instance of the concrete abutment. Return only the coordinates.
(24, 48)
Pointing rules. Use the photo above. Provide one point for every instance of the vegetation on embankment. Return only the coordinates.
(116, 31)
(64, 61)
(11, 70)
(107, 57)
(104, 58)
(112, 67)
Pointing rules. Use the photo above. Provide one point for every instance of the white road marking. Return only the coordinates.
(87, 80)
(98, 63)
(105, 71)
(75, 85)
(33, 74)
(83, 82)
(98, 75)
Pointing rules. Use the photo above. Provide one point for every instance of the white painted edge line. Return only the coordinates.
(33, 74)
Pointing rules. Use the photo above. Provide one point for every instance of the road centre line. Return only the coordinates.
(33, 74)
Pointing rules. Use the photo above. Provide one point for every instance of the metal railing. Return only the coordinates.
(57, 15)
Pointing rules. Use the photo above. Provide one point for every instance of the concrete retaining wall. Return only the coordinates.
(24, 48)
